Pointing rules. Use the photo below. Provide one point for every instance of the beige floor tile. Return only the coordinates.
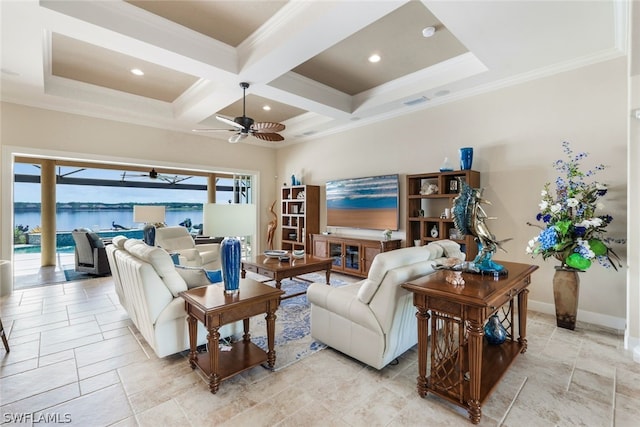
(44, 400)
(100, 381)
(116, 361)
(593, 386)
(101, 408)
(71, 332)
(25, 384)
(164, 414)
(105, 349)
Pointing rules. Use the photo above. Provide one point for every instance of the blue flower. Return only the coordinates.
(548, 238)
(579, 231)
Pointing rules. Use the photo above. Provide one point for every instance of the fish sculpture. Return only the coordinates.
(470, 218)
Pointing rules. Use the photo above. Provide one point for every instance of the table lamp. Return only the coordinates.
(150, 216)
(230, 221)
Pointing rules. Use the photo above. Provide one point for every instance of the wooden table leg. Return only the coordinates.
(213, 338)
(246, 336)
(243, 272)
(475, 334)
(192, 324)
(328, 276)
(423, 337)
(271, 332)
(522, 319)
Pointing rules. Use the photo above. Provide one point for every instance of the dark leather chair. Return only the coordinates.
(91, 256)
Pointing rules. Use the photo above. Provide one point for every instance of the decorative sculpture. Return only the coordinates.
(470, 218)
(271, 227)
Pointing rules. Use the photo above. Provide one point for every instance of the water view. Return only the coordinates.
(101, 219)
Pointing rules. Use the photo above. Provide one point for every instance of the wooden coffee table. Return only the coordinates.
(211, 306)
(278, 270)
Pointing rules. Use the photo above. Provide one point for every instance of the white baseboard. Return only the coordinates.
(617, 323)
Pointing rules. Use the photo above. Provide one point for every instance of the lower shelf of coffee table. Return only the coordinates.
(242, 356)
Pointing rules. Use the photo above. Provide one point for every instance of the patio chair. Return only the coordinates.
(91, 256)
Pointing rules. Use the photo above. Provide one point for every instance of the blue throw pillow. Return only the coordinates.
(214, 276)
(175, 257)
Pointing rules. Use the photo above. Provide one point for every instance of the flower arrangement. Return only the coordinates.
(386, 234)
(572, 230)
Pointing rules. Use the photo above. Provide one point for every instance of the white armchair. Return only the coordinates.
(373, 320)
(178, 240)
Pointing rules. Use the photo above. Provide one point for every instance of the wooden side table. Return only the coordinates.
(211, 306)
(464, 367)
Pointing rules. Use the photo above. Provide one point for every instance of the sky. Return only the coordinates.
(26, 192)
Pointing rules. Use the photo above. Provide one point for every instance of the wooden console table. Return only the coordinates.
(464, 367)
(211, 306)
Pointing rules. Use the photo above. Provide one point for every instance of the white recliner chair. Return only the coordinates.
(374, 320)
(177, 240)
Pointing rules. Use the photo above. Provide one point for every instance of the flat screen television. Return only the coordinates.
(370, 202)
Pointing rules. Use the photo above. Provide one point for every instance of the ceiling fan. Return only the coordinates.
(153, 174)
(245, 126)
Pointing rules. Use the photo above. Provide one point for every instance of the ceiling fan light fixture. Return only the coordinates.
(238, 137)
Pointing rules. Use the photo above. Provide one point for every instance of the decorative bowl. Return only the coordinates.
(275, 253)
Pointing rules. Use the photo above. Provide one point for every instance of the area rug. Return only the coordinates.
(293, 340)
(71, 275)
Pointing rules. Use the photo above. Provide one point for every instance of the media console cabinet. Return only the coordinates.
(351, 255)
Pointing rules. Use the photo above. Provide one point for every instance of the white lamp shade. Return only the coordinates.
(148, 214)
(225, 220)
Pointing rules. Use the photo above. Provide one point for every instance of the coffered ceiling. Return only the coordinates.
(307, 60)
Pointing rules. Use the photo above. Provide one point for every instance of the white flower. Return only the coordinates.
(544, 193)
(600, 186)
(556, 208)
(543, 205)
(588, 223)
(572, 202)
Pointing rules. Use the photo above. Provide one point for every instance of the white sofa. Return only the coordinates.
(177, 239)
(373, 320)
(147, 284)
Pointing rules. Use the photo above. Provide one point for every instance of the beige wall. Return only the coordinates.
(517, 133)
(632, 335)
(37, 131)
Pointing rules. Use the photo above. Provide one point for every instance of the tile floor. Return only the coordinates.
(76, 358)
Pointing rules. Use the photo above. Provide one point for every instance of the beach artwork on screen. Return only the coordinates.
(370, 202)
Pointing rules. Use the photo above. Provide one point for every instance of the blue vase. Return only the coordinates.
(466, 158)
(230, 254)
(494, 332)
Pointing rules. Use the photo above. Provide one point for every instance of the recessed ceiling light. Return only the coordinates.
(137, 72)
(266, 108)
(374, 58)
(428, 31)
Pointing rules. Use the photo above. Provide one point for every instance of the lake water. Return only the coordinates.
(101, 220)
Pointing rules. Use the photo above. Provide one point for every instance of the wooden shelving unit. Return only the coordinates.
(300, 216)
(424, 221)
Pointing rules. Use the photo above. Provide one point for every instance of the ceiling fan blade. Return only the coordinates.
(238, 137)
(267, 127)
(230, 122)
(272, 137)
(213, 130)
